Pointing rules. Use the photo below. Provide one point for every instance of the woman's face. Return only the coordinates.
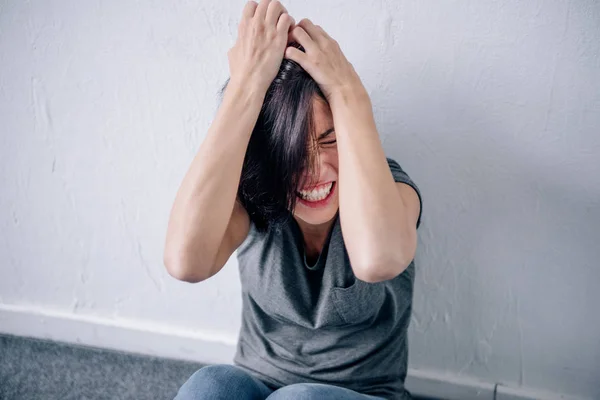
(318, 204)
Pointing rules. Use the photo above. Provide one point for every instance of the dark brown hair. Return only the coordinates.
(278, 150)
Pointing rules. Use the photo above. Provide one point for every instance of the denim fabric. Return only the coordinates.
(228, 382)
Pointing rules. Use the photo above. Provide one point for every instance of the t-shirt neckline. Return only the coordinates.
(321, 259)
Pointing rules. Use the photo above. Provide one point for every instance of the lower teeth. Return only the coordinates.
(314, 199)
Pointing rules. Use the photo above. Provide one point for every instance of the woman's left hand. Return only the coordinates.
(323, 60)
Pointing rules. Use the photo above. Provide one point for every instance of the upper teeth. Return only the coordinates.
(316, 194)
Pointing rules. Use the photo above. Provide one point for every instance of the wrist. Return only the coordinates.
(246, 91)
(354, 95)
(351, 91)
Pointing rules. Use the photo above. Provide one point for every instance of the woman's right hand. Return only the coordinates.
(262, 39)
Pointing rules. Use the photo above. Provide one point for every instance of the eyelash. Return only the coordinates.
(331, 142)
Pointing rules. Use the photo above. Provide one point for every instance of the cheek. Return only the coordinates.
(331, 157)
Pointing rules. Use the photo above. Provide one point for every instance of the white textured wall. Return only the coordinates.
(493, 107)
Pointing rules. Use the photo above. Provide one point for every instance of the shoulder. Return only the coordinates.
(402, 177)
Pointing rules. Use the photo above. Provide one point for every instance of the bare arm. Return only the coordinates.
(378, 216)
(206, 223)
(205, 201)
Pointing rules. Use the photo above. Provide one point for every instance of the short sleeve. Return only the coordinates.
(401, 176)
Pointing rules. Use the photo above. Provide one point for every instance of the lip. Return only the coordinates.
(320, 203)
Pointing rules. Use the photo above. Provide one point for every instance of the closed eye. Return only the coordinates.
(330, 142)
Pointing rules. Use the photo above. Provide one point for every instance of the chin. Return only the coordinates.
(316, 217)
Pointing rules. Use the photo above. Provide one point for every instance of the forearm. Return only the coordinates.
(204, 202)
(372, 214)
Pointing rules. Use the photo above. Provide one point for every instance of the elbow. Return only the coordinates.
(380, 271)
(181, 268)
(384, 262)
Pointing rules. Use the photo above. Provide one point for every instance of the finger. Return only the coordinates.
(274, 11)
(249, 10)
(315, 34)
(298, 56)
(261, 10)
(286, 21)
(290, 38)
(299, 35)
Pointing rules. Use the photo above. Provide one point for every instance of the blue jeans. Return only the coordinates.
(228, 382)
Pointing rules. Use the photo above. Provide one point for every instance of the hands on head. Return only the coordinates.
(265, 33)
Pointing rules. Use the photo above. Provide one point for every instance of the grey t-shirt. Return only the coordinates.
(320, 324)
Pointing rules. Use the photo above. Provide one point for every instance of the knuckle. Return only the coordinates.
(332, 44)
(258, 27)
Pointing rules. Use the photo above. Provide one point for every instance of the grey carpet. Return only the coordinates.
(33, 369)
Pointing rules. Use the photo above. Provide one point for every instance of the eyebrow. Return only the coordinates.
(326, 133)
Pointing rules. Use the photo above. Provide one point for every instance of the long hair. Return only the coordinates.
(278, 150)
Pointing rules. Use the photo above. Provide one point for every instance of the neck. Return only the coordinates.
(314, 235)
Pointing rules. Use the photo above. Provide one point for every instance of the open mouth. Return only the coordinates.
(318, 196)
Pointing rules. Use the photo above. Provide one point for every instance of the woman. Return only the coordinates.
(324, 315)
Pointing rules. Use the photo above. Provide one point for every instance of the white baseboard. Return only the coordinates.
(212, 347)
(438, 385)
(447, 386)
(117, 334)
